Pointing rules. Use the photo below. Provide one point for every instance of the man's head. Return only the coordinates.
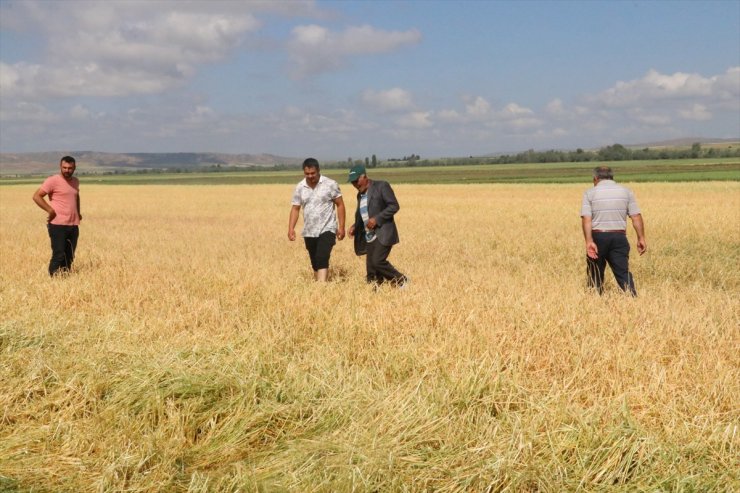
(311, 171)
(603, 173)
(67, 166)
(358, 178)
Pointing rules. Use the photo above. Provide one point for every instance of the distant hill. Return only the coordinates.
(89, 161)
(42, 163)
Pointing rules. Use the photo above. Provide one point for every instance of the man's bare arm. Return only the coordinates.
(292, 221)
(38, 197)
(341, 213)
(639, 226)
(591, 250)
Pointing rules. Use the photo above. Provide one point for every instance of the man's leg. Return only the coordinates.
(618, 259)
(324, 246)
(595, 273)
(595, 267)
(372, 276)
(70, 245)
(384, 270)
(311, 244)
(58, 238)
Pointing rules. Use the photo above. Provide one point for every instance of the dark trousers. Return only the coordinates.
(379, 269)
(319, 249)
(63, 247)
(614, 249)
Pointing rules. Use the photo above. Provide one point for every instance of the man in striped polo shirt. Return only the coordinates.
(604, 220)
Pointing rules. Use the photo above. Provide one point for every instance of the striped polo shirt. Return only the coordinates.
(608, 204)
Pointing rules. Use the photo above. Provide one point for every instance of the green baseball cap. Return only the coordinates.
(356, 172)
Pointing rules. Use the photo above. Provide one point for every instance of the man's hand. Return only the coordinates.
(591, 250)
(340, 234)
(351, 231)
(292, 221)
(51, 215)
(371, 223)
(641, 246)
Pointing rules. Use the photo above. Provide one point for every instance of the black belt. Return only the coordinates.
(620, 231)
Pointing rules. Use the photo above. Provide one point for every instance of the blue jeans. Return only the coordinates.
(63, 247)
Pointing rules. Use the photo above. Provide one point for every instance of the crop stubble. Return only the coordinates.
(190, 350)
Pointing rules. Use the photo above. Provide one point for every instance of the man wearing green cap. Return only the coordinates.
(374, 229)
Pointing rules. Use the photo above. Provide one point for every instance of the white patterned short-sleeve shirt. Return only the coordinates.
(318, 206)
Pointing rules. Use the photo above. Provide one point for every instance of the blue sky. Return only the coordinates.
(338, 79)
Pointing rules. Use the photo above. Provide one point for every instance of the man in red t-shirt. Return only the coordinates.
(64, 215)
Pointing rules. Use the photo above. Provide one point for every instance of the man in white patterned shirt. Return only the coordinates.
(317, 195)
(604, 212)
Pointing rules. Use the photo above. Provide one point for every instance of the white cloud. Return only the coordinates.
(476, 110)
(650, 118)
(79, 112)
(513, 110)
(449, 116)
(303, 121)
(121, 48)
(37, 82)
(654, 105)
(727, 88)
(555, 108)
(697, 112)
(315, 49)
(200, 115)
(512, 118)
(479, 108)
(517, 118)
(9, 77)
(520, 124)
(309, 37)
(655, 87)
(23, 112)
(395, 99)
(125, 74)
(416, 119)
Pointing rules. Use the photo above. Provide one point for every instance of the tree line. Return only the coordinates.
(616, 152)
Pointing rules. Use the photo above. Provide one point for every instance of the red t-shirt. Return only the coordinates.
(63, 195)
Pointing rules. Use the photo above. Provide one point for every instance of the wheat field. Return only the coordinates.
(191, 351)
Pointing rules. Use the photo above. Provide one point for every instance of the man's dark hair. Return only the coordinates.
(69, 159)
(603, 173)
(311, 163)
